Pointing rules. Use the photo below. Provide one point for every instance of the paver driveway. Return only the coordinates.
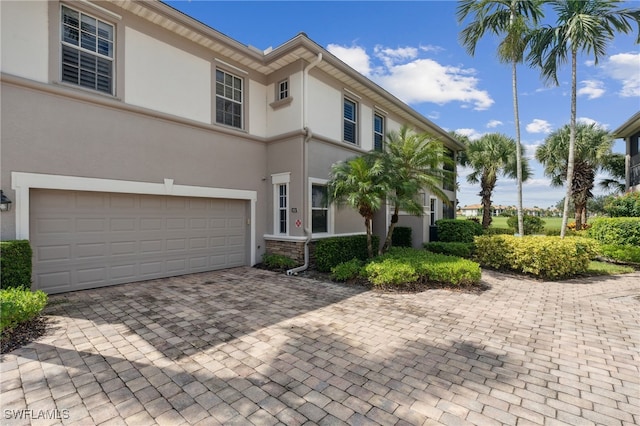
(245, 346)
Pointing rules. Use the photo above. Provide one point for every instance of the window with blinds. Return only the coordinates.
(87, 51)
(228, 99)
(350, 121)
(378, 132)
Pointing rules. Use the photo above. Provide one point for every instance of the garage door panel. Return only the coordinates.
(119, 238)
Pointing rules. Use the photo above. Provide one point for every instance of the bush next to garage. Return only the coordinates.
(453, 249)
(401, 266)
(18, 305)
(544, 257)
(277, 262)
(622, 231)
(346, 270)
(330, 252)
(15, 264)
(401, 237)
(457, 231)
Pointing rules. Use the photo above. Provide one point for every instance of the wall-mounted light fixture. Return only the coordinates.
(5, 202)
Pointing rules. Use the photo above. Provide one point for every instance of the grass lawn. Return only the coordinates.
(550, 223)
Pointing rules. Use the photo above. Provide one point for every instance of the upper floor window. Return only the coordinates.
(283, 90)
(350, 121)
(228, 99)
(87, 51)
(378, 132)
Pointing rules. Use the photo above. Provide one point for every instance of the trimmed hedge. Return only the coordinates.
(15, 264)
(453, 249)
(330, 252)
(531, 224)
(401, 237)
(621, 231)
(406, 266)
(498, 231)
(458, 231)
(18, 305)
(277, 262)
(545, 257)
(346, 270)
(623, 254)
(627, 205)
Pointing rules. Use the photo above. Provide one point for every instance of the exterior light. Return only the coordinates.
(5, 202)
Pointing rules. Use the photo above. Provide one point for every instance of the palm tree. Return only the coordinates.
(359, 183)
(614, 166)
(490, 156)
(510, 18)
(581, 26)
(413, 163)
(592, 153)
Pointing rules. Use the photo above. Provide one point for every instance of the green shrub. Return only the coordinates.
(346, 271)
(330, 252)
(401, 237)
(18, 305)
(624, 254)
(15, 264)
(531, 224)
(621, 231)
(457, 231)
(627, 205)
(277, 262)
(453, 249)
(545, 257)
(498, 231)
(405, 266)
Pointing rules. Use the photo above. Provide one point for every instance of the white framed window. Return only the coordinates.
(433, 214)
(87, 50)
(321, 216)
(350, 122)
(378, 132)
(280, 183)
(229, 99)
(283, 90)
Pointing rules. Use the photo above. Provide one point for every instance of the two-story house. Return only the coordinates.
(139, 143)
(630, 132)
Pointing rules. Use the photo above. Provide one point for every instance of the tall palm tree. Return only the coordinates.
(592, 153)
(413, 163)
(614, 166)
(490, 156)
(510, 18)
(581, 26)
(359, 183)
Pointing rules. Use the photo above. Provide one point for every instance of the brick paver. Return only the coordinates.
(245, 346)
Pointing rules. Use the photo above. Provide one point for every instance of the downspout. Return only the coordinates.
(306, 213)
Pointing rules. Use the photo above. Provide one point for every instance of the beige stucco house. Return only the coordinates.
(138, 143)
(630, 132)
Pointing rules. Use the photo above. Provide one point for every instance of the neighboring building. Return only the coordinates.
(139, 143)
(630, 132)
(475, 210)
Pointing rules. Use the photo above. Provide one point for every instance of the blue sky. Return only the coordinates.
(411, 49)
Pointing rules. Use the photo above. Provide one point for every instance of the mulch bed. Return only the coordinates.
(22, 334)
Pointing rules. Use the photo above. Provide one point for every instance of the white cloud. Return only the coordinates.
(494, 123)
(434, 115)
(355, 56)
(593, 89)
(587, 120)
(472, 134)
(539, 126)
(431, 48)
(625, 68)
(415, 80)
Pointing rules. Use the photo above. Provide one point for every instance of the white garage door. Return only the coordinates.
(84, 240)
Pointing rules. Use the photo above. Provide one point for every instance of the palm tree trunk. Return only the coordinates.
(387, 242)
(486, 189)
(367, 224)
(518, 146)
(572, 142)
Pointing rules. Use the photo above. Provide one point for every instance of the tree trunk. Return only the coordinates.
(578, 216)
(485, 193)
(572, 143)
(367, 224)
(387, 242)
(516, 114)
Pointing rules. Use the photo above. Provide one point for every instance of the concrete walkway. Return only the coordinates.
(245, 346)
